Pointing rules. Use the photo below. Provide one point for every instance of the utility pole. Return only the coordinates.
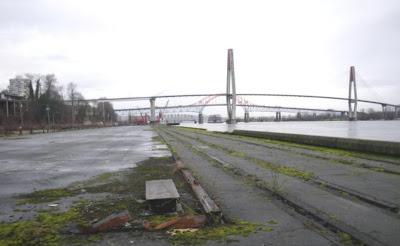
(104, 115)
(21, 114)
(48, 118)
(7, 107)
(54, 126)
(72, 112)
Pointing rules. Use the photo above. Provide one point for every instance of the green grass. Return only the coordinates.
(44, 196)
(44, 229)
(220, 233)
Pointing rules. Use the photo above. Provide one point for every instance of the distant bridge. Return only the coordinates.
(206, 101)
(198, 108)
(250, 108)
(234, 99)
(145, 98)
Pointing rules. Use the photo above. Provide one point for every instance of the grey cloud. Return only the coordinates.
(42, 15)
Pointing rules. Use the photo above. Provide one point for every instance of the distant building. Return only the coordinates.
(215, 118)
(19, 87)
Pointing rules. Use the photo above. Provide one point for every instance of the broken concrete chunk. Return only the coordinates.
(112, 222)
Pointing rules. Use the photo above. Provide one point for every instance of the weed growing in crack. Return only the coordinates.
(276, 185)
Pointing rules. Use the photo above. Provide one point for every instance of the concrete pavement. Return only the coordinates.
(366, 222)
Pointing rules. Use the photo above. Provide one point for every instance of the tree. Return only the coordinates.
(105, 112)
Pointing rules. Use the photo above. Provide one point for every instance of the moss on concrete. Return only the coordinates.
(367, 149)
(158, 219)
(345, 238)
(285, 170)
(44, 229)
(126, 192)
(220, 233)
(43, 196)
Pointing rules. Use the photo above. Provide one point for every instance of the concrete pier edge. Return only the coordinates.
(360, 145)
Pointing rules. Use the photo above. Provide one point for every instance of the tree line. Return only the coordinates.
(48, 103)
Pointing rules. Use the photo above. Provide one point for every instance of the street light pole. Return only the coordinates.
(104, 115)
(48, 118)
(54, 127)
(21, 114)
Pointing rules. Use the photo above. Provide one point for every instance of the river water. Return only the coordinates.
(375, 130)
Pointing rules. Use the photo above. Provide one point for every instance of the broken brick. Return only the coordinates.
(112, 222)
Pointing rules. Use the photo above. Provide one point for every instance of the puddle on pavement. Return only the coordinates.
(132, 145)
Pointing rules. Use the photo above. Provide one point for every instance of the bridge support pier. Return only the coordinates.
(246, 116)
(352, 88)
(230, 82)
(152, 110)
(278, 116)
(201, 118)
(384, 111)
(343, 115)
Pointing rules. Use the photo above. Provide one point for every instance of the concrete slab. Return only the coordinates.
(161, 189)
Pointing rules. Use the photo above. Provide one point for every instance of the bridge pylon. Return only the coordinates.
(278, 116)
(230, 84)
(352, 90)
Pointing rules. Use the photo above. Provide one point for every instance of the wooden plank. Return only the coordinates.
(161, 189)
(209, 206)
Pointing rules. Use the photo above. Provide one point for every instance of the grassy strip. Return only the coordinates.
(289, 171)
(222, 233)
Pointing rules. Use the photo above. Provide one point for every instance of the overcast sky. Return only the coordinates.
(139, 48)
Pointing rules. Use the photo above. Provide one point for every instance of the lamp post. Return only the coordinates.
(21, 114)
(54, 127)
(48, 117)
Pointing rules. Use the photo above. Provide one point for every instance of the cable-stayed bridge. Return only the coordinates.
(231, 100)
